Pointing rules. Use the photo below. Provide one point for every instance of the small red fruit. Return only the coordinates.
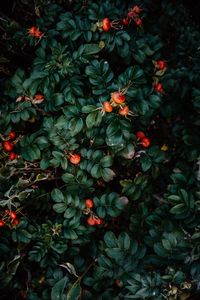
(2, 223)
(106, 24)
(118, 98)
(39, 97)
(107, 107)
(146, 142)
(136, 9)
(89, 203)
(91, 221)
(8, 146)
(98, 221)
(13, 215)
(32, 30)
(125, 21)
(38, 34)
(12, 156)
(12, 135)
(15, 222)
(140, 135)
(158, 87)
(138, 22)
(160, 64)
(124, 111)
(75, 159)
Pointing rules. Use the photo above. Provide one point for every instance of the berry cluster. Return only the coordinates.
(117, 99)
(134, 14)
(9, 218)
(92, 219)
(8, 145)
(35, 32)
(160, 68)
(145, 141)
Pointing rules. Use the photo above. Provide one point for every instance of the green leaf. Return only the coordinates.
(74, 291)
(145, 163)
(57, 195)
(94, 119)
(57, 291)
(178, 209)
(107, 174)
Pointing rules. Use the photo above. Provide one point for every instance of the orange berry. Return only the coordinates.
(39, 97)
(106, 24)
(12, 135)
(2, 223)
(91, 221)
(98, 221)
(12, 156)
(75, 159)
(124, 111)
(13, 215)
(32, 30)
(89, 203)
(160, 64)
(146, 142)
(138, 22)
(140, 135)
(118, 98)
(107, 107)
(137, 9)
(8, 146)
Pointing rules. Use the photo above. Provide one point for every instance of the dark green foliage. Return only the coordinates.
(148, 243)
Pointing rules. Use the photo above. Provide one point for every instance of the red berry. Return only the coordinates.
(15, 222)
(12, 135)
(140, 135)
(146, 142)
(118, 98)
(107, 107)
(75, 159)
(125, 21)
(106, 24)
(91, 221)
(138, 22)
(13, 215)
(124, 111)
(137, 9)
(32, 30)
(2, 223)
(38, 34)
(98, 221)
(89, 203)
(8, 146)
(158, 87)
(39, 97)
(12, 156)
(160, 64)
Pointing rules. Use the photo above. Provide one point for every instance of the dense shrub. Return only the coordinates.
(100, 155)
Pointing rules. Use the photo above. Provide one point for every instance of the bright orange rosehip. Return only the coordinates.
(75, 159)
(91, 221)
(158, 87)
(106, 24)
(124, 111)
(146, 142)
(98, 221)
(8, 146)
(107, 107)
(118, 97)
(12, 135)
(89, 203)
(12, 156)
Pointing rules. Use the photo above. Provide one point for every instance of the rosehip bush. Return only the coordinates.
(99, 152)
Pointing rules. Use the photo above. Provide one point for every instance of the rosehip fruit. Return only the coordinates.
(39, 97)
(13, 215)
(107, 107)
(98, 221)
(138, 22)
(140, 135)
(146, 142)
(124, 111)
(12, 156)
(118, 98)
(91, 221)
(15, 222)
(160, 64)
(8, 146)
(2, 223)
(158, 87)
(75, 159)
(12, 135)
(106, 24)
(32, 30)
(89, 203)
(125, 21)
